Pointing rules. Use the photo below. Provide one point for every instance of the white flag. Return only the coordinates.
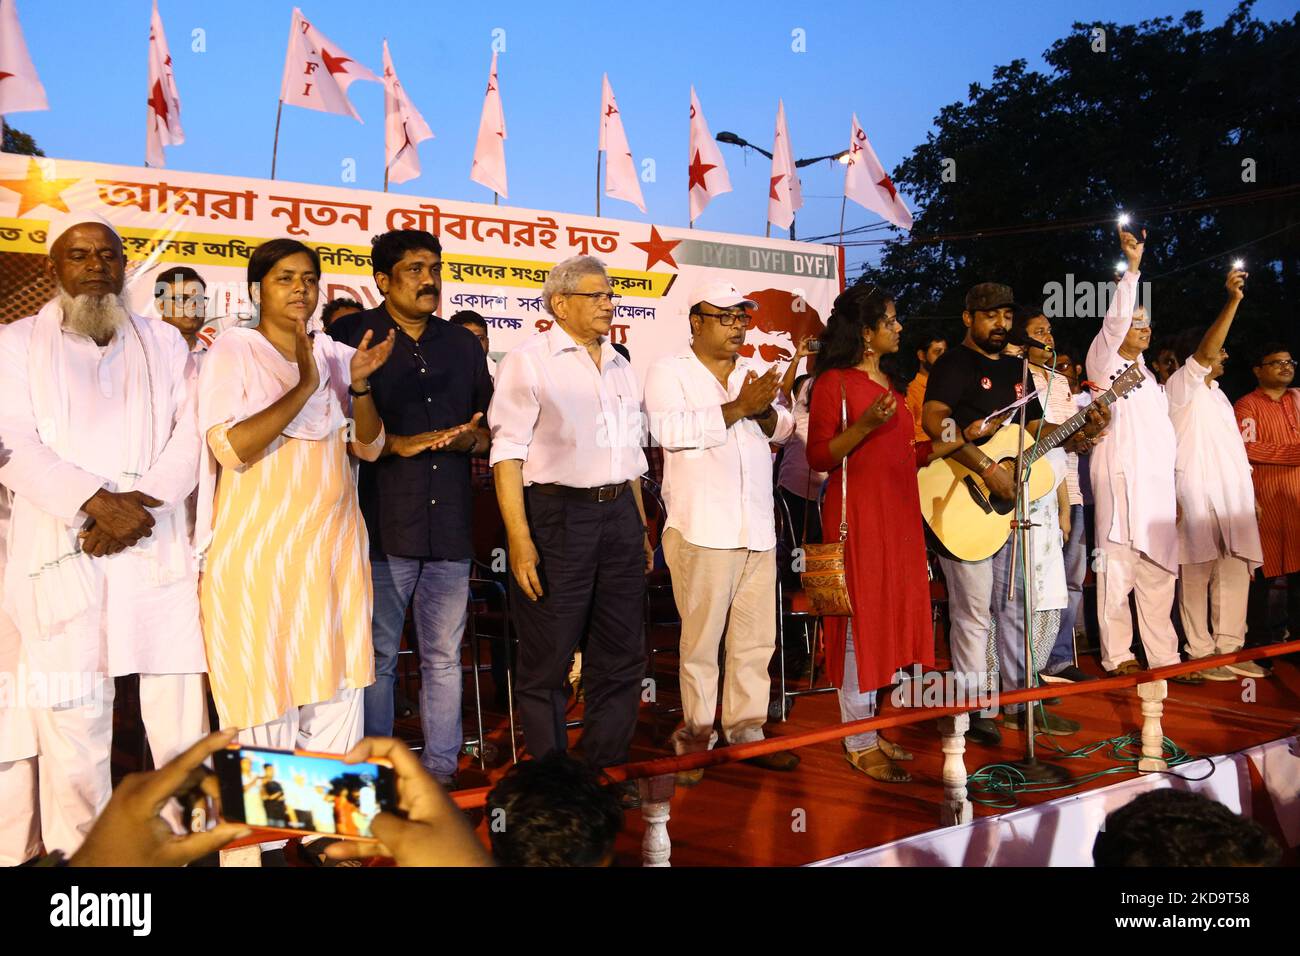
(707, 173)
(164, 109)
(20, 87)
(867, 183)
(489, 166)
(404, 127)
(317, 73)
(621, 180)
(784, 197)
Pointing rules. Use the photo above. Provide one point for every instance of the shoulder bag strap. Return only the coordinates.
(844, 468)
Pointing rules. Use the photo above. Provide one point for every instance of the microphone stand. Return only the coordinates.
(1034, 770)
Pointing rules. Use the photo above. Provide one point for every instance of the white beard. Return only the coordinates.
(96, 316)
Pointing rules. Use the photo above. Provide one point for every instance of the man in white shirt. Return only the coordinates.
(715, 415)
(567, 433)
(1133, 485)
(103, 446)
(1218, 533)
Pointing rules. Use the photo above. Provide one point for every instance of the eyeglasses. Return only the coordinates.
(598, 297)
(726, 319)
(1280, 363)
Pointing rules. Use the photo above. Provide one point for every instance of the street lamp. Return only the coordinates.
(732, 139)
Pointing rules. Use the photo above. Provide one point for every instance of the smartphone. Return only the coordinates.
(814, 345)
(299, 792)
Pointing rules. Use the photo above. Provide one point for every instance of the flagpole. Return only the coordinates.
(768, 234)
(844, 201)
(275, 148)
(4, 128)
(496, 199)
(598, 183)
(385, 178)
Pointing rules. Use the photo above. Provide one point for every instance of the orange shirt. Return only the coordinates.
(1271, 432)
(915, 399)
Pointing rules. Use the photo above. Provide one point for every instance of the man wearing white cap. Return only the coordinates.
(715, 416)
(102, 443)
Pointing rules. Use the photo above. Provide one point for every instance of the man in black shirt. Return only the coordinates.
(966, 385)
(431, 396)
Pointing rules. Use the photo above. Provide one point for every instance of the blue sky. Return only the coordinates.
(895, 64)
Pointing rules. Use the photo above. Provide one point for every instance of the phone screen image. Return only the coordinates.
(302, 792)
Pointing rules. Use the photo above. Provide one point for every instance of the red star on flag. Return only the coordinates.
(658, 249)
(697, 171)
(158, 101)
(888, 186)
(772, 191)
(334, 64)
(610, 111)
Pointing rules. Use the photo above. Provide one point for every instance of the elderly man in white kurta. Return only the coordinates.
(1133, 485)
(103, 447)
(714, 414)
(1218, 533)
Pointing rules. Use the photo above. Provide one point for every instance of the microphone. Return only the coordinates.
(1024, 340)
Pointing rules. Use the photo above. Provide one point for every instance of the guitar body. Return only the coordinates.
(956, 504)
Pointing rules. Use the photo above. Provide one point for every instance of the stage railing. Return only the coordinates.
(657, 781)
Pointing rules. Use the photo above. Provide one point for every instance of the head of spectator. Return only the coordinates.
(284, 280)
(863, 322)
(1165, 363)
(553, 812)
(180, 295)
(407, 266)
(929, 351)
(476, 324)
(719, 316)
(88, 267)
(987, 317)
(1027, 323)
(578, 294)
(1274, 367)
(1067, 369)
(337, 308)
(1169, 827)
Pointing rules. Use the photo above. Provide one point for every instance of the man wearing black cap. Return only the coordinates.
(966, 385)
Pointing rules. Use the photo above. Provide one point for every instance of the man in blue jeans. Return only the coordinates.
(431, 396)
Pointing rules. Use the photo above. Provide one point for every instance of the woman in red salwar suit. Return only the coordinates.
(885, 563)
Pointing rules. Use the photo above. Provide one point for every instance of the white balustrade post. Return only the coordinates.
(656, 797)
(1153, 736)
(956, 807)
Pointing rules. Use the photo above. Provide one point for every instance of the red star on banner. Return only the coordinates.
(697, 171)
(775, 180)
(158, 101)
(334, 64)
(888, 186)
(658, 249)
(610, 111)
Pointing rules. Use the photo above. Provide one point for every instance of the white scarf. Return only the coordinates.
(59, 583)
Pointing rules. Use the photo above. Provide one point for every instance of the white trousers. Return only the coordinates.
(20, 832)
(1123, 571)
(1223, 585)
(76, 742)
(332, 726)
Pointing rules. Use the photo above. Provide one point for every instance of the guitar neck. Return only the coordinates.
(1061, 434)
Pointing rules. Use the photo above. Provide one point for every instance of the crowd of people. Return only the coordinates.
(253, 520)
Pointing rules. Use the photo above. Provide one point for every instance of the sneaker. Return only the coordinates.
(1245, 669)
(1046, 722)
(984, 732)
(1066, 675)
(1218, 673)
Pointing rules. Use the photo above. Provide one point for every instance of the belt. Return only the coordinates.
(599, 494)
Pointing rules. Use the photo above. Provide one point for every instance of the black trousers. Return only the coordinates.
(1261, 627)
(592, 570)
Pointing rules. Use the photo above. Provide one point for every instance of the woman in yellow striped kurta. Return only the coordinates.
(285, 594)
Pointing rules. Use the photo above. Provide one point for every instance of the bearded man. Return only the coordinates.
(102, 441)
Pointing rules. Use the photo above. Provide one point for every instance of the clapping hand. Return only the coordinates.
(367, 359)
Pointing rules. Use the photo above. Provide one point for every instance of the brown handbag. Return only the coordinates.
(824, 583)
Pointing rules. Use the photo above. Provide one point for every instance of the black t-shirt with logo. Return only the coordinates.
(973, 385)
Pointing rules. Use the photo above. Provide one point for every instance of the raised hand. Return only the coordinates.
(1132, 248)
(1236, 284)
(305, 355)
(368, 358)
(881, 411)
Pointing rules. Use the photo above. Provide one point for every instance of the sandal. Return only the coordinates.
(876, 765)
(892, 750)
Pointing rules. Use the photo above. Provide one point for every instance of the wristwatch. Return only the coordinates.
(353, 392)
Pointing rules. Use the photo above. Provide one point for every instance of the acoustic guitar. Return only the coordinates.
(973, 524)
